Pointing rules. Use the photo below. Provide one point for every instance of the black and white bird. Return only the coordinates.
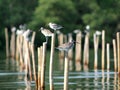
(55, 26)
(47, 33)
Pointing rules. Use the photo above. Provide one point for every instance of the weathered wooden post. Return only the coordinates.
(114, 54)
(103, 49)
(7, 42)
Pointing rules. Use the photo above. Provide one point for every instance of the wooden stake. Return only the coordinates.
(33, 61)
(40, 50)
(114, 54)
(108, 56)
(103, 48)
(78, 50)
(7, 42)
(118, 50)
(66, 71)
(95, 52)
(51, 62)
(28, 59)
(12, 45)
(61, 53)
(43, 67)
(70, 52)
(86, 50)
(33, 37)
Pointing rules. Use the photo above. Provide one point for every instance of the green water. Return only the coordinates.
(12, 78)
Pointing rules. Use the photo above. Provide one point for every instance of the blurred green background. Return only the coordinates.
(71, 14)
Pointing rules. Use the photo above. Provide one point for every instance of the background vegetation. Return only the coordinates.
(72, 14)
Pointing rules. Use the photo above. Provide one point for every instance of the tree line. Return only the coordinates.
(72, 14)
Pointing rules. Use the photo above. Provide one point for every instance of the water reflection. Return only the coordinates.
(12, 78)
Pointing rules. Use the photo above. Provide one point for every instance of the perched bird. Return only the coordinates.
(87, 29)
(76, 31)
(47, 33)
(20, 32)
(54, 26)
(27, 34)
(66, 46)
(13, 29)
(98, 33)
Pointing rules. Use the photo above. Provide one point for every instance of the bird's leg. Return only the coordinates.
(66, 53)
(46, 39)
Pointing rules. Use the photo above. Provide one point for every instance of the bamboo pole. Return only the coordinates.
(7, 42)
(51, 62)
(43, 66)
(95, 52)
(78, 50)
(66, 71)
(33, 37)
(40, 54)
(114, 54)
(17, 47)
(70, 52)
(118, 51)
(103, 49)
(61, 53)
(108, 56)
(28, 59)
(33, 61)
(21, 52)
(12, 45)
(86, 50)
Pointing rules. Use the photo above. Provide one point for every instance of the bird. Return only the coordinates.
(87, 29)
(66, 46)
(47, 33)
(27, 34)
(76, 31)
(98, 33)
(13, 29)
(55, 26)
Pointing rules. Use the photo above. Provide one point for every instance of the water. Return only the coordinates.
(12, 78)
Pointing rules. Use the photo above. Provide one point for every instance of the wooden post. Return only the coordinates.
(12, 45)
(66, 71)
(7, 42)
(95, 52)
(114, 54)
(28, 59)
(70, 53)
(17, 47)
(33, 37)
(61, 53)
(118, 51)
(51, 62)
(40, 50)
(103, 49)
(33, 61)
(108, 56)
(86, 50)
(43, 67)
(22, 64)
(78, 50)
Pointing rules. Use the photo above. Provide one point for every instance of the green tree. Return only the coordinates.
(59, 11)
